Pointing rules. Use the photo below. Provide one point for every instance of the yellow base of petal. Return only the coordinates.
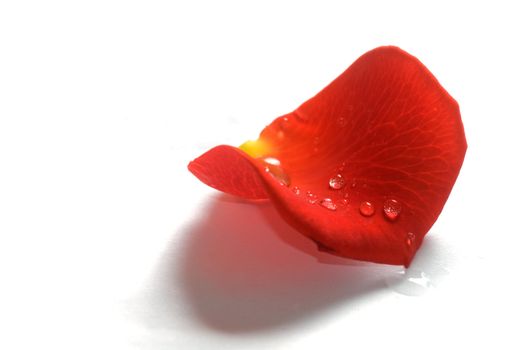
(255, 149)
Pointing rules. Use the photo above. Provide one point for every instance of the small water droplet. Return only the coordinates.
(367, 208)
(342, 121)
(295, 190)
(273, 167)
(392, 209)
(337, 182)
(311, 197)
(343, 202)
(284, 123)
(410, 238)
(328, 204)
(316, 142)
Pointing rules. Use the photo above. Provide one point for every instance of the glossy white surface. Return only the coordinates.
(107, 241)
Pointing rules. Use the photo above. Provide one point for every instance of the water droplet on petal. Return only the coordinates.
(342, 121)
(410, 239)
(273, 167)
(271, 161)
(284, 123)
(295, 190)
(367, 208)
(392, 209)
(337, 182)
(311, 197)
(328, 204)
(316, 142)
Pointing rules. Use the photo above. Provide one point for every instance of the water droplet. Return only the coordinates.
(316, 142)
(392, 209)
(271, 161)
(426, 272)
(410, 238)
(342, 121)
(284, 123)
(337, 182)
(296, 190)
(367, 208)
(328, 204)
(410, 282)
(311, 197)
(343, 202)
(273, 167)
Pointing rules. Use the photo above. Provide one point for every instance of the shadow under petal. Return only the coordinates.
(244, 270)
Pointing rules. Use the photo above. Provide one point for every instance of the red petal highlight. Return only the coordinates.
(384, 132)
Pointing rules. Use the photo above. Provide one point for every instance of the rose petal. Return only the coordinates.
(384, 132)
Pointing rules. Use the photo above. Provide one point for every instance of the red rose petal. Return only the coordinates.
(230, 170)
(384, 132)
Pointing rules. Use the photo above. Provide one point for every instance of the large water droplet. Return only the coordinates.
(273, 167)
(392, 209)
(311, 197)
(410, 282)
(328, 204)
(337, 182)
(367, 208)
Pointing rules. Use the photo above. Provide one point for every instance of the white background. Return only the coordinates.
(108, 242)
